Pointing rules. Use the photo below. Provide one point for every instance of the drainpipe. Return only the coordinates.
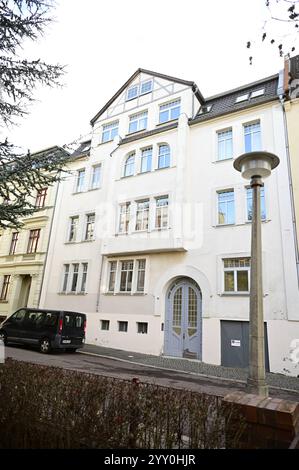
(281, 99)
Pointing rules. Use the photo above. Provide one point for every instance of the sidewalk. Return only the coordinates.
(191, 366)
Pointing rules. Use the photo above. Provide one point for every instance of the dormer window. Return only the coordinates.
(241, 98)
(205, 109)
(257, 93)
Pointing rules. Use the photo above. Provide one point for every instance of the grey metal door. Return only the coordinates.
(183, 325)
(235, 344)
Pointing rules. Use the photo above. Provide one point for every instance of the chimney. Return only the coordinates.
(286, 76)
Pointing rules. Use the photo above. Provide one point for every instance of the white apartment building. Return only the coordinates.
(151, 235)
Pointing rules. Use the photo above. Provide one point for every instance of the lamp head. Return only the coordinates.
(256, 164)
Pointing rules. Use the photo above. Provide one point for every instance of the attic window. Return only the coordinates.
(141, 89)
(241, 98)
(205, 109)
(85, 147)
(257, 93)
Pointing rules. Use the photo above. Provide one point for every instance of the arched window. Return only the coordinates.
(164, 156)
(129, 165)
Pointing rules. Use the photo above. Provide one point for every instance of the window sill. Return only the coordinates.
(234, 294)
(3, 301)
(72, 293)
(129, 134)
(74, 193)
(225, 225)
(126, 176)
(126, 293)
(166, 122)
(160, 229)
(87, 241)
(263, 221)
(94, 189)
(224, 160)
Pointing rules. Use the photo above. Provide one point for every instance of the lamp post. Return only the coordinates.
(255, 166)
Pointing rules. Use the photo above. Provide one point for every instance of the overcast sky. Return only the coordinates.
(104, 42)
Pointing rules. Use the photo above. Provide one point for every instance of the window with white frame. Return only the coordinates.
(75, 275)
(124, 217)
(73, 228)
(80, 181)
(140, 275)
(109, 131)
(126, 276)
(105, 324)
(164, 156)
(112, 276)
(236, 274)
(96, 176)
(161, 212)
(225, 144)
(169, 111)
(84, 277)
(138, 122)
(65, 277)
(140, 89)
(146, 159)
(89, 228)
(129, 167)
(226, 207)
(252, 136)
(74, 278)
(142, 215)
(250, 203)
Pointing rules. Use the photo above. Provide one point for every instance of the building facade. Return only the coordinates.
(23, 253)
(151, 233)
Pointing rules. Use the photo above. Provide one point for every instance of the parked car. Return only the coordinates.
(47, 329)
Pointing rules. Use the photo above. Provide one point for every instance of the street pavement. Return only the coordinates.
(170, 372)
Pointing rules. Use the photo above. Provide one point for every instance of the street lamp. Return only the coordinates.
(255, 166)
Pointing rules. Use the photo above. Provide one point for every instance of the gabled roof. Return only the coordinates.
(225, 103)
(155, 74)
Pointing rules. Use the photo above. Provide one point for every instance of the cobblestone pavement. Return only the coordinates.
(192, 366)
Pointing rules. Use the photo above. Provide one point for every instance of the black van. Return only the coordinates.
(47, 329)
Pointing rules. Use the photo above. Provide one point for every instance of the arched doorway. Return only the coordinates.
(183, 319)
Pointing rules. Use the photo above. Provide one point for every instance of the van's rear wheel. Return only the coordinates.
(45, 346)
(3, 337)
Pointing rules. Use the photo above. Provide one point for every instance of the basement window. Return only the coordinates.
(142, 328)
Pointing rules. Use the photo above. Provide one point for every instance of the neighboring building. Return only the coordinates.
(151, 237)
(291, 106)
(23, 252)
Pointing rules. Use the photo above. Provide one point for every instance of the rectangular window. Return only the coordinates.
(89, 229)
(140, 275)
(138, 122)
(73, 229)
(170, 111)
(142, 328)
(13, 244)
(80, 181)
(41, 198)
(252, 136)
(124, 217)
(236, 274)
(75, 277)
(146, 160)
(132, 92)
(142, 215)
(112, 275)
(146, 87)
(33, 241)
(109, 131)
(123, 326)
(249, 204)
(162, 212)
(5, 287)
(226, 207)
(96, 176)
(126, 276)
(65, 277)
(84, 276)
(225, 144)
(105, 324)
(164, 156)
